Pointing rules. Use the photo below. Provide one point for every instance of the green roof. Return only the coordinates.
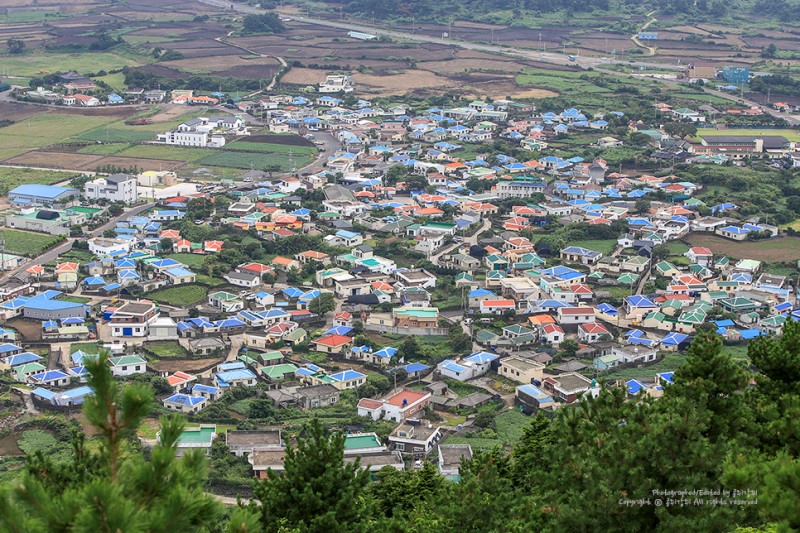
(197, 435)
(278, 371)
(270, 356)
(297, 334)
(442, 225)
(127, 360)
(354, 442)
(329, 214)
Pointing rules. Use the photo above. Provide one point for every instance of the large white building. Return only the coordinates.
(336, 83)
(117, 188)
(198, 139)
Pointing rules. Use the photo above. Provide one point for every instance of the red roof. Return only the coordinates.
(334, 340)
(576, 310)
(405, 395)
(369, 403)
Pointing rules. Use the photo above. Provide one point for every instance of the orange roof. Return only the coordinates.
(429, 211)
(541, 319)
(67, 267)
(282, 260)
(369, 403)
(35, 269)
(343, 315)
(313, 254)
(334, 340)
(498, 303)
(405, 397)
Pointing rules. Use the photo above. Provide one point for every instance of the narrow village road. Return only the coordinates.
(66, 246)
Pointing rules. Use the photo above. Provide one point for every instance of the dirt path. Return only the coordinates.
(651, 51)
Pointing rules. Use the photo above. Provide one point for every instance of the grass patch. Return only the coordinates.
(209, 281)
(669, 363)
(560, 81)
(677, 247)
(511, 426)
(167, 349)
(603, 246)
(74, 299)
(180, 296)
(88, 347)
(190, 260)
(11, 178)
(476, 443)
(26, 243)
(255, 159)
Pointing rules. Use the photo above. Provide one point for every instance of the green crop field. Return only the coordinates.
(167, 349)
(180, 296)
(103, 149)
(25, 242)
(560, 81)
(116, 134)
(43, 130)
(159, 151)
(30, 65)
(255, 160)
(270, 148)
(13, 177)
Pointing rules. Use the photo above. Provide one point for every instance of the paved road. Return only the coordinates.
(66, 246)
(471, 240)
(546, 57)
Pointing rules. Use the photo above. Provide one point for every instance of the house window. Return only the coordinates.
(400, 446)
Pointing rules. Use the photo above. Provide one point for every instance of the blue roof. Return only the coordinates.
(292, 292)
(674, 339)
(7, 347)
(94, 280)
(634, 386)
(49, 375)
(21, 359)
(77, 392)
(231, 366)
(166, 263)
(386, 351)
(229, 323)
(347, 234)
(748, 334)
(535, 392)
(43, 393)
(347, 375)
(185, 399)
(179, 272)
(607, 309)
(43, 191)
(480, 292)
(637, 300)
(414, 368)
(72, 321)
(338, 330)
(452, 366)
(205, 388)
(667, 376)
(43, 302)
(481, 357)
(234, 375)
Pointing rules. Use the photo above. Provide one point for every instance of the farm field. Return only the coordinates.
(13, 177)
(179, 296)
(35, 64)
(791, 135)
(561, 81)
(773, 250)
(43, 130)
(25, 242)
